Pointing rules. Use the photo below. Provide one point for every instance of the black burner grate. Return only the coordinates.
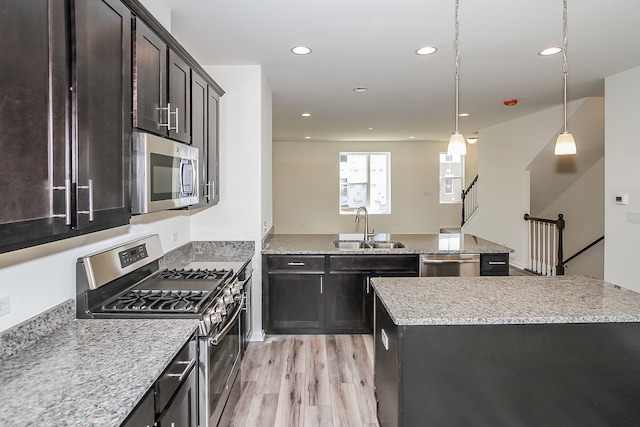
(194, 274)
(157, 301)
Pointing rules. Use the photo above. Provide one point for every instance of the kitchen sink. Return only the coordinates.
(385, 245)
(351, 244)
(361, 244)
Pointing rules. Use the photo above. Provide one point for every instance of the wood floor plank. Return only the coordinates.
(318, 416)
(241, 411)
(290, 409)
(295, 359)
(271, 372)
(251, 362)
(362, 375)
(337, 360)
(317, 376)
(368, 341)
(344, 406)
(262, 411)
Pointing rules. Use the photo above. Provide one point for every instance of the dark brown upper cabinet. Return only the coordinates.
(161, 86)
(65, 130)
(102, 118)
(204, 136)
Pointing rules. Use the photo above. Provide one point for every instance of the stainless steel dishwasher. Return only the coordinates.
(452, 264)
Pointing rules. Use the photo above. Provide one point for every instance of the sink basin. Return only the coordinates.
(350, 244)
(385, 245)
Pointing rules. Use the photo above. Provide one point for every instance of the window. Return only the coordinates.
(364, 181)
(451, 178)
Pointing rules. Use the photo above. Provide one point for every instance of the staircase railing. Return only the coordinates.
(583, 250)
(545, 245)
(469, 200)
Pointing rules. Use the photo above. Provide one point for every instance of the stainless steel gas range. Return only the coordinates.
(127, 282)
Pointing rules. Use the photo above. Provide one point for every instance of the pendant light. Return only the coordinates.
(457, 146)
(565, 144)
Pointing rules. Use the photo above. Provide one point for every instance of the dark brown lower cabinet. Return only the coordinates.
(325, 294)
(551, 374)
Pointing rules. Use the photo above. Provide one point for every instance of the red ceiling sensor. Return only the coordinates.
(510, 102)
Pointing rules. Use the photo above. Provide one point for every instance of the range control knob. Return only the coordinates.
(235, 289)
(216, 318)
(228, 299)
(220, 308)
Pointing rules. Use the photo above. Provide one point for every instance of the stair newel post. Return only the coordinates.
(560, 226)
(464, 195)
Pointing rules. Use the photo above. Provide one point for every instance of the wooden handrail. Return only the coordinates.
(464, 196)
(586, 248)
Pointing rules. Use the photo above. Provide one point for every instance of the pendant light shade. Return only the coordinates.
(456, 146)
(565, 144)
(456, 142)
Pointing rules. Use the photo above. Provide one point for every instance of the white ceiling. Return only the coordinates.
(371, 43)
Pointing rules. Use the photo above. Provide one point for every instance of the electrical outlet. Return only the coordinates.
(174, 237)
(633, 217)
(5, 307)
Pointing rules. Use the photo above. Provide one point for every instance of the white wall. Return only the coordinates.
(506, 150)
(160, 10)
(306, 191)
(245, 141)
(622, 176)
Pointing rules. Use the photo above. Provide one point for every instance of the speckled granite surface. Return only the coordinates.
(89, 372)
(505, 300)
(413, 244)
(28, 332)
(208, 252)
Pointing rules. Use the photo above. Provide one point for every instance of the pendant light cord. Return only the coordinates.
(457, 47)
(565, 65)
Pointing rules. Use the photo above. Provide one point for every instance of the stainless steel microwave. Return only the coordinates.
(164, 174)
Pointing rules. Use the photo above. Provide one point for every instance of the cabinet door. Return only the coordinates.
(350, 303)
(144, 414)
(213, 160)
(149, 80)
(179, 98)
(296, 302)
(199, 129)
(34, 94)
(182, 409)
(102, 107)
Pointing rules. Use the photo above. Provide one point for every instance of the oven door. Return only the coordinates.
(165, 174)
(219, 369)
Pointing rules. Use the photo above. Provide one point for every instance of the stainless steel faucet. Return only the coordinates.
(366, 233)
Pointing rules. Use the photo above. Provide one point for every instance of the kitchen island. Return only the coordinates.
(506, 351)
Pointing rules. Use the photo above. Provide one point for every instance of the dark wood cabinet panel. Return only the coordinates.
(149, 80)
(213, 147)
(102, 106)
(179, 98)
(295, 303)
(494, 264)
(34, 139)
(350, 303)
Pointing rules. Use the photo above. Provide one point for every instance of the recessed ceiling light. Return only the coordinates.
(426, 50)
(369, 128)
(360, 89)
(412, 137)
(550, 51)
(463, 115)
(306, 114)
(301, 50)
(307, 137)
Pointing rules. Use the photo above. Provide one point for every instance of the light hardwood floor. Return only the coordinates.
(307, 380)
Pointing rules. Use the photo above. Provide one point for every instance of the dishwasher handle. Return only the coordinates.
(450, 261)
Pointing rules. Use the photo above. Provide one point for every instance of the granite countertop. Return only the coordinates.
(89, 372)
(284, 244)
(505, 300)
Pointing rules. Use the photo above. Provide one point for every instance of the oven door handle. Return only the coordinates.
(215, 340)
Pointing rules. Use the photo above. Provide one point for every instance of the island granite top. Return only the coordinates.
(89, 372)
(285, 244)
(505, 300)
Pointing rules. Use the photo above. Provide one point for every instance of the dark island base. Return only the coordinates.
(508, 375)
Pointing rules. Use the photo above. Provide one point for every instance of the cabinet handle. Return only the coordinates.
(169, 113)
(497, 262)
(296, 264)
(186, 370)
(67, 201)
(321, 285)
(368, 282)
(90, 188)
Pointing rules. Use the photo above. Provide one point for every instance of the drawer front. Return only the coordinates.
(295, 263)
(494, 264)
(374, 263)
